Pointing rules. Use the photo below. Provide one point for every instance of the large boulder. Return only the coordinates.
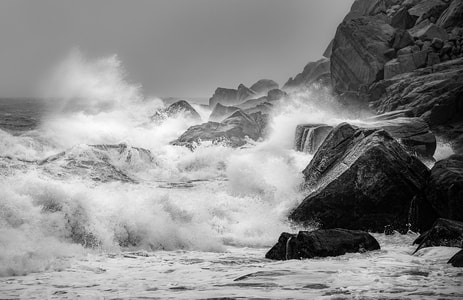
(234, 130)
(314, 72)
(457, 259)
(262, 86)
(452, 16)
(321, 243)
(360, 179)
(445, 188)
(358, 54)
(402, 19)
(444, 232)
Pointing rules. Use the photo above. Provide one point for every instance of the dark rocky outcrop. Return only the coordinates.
(434, 93)
(262, 86)
(321, 243)
(234, 130)
(444, 232)
(444, 191)
(360, 179)
(314, 72)
(457, 259)
(221, 112)
(224, 96)
(359, 50)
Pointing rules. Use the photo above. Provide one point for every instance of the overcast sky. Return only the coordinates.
(171, 47)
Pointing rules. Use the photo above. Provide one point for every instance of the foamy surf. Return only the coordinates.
(98, 190)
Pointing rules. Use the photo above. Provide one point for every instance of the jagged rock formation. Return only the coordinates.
(321, 243)
(314, 72)
(234, 130)
(181, 107)
(434, 93)
(262, 86)
(360, 179)
(232, 97)
(221, 112)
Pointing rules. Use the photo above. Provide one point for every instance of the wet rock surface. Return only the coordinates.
(321, 243)
(360, 179)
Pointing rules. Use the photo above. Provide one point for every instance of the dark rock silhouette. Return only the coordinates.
(457, 259)
(321, 243)
(444, 191)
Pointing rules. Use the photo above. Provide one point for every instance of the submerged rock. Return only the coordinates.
(102, 163)
(321, 243)
(444, 232)
(360, 179)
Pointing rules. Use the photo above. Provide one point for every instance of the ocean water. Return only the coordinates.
(95, 203)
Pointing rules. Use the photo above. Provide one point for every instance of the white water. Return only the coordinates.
(204, 218)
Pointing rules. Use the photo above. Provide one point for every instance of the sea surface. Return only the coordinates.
(96, 204)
